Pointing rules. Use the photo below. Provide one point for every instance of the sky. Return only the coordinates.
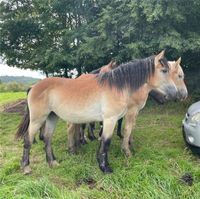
(13, 71)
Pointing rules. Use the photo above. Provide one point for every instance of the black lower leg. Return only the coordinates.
(102, 156)
(26, 152)
(91, 132)
(119, 128)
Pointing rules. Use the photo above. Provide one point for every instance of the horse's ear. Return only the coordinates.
(113, 64)
(109, 65)
(178, 62)
(159, 56)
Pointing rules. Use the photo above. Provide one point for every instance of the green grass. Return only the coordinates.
(11, 96)
(160, 159)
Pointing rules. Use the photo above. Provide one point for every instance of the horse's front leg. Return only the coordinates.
(102, 154)
(130, 118)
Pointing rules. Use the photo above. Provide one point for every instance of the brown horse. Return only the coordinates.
(76, 131)
(94, 99)
(177, 75)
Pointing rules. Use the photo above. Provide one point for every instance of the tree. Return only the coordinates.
(57, 36)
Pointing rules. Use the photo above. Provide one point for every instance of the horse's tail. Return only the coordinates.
(24, 124)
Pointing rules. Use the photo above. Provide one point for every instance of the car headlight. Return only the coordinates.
(196, 117)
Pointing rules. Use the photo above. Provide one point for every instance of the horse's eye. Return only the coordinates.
(164, 70)
(180, 76)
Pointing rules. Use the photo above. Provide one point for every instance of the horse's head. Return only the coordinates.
(177, 74)
(162, 79)
(111, 65)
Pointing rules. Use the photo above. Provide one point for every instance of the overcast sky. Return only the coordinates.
(12, 71)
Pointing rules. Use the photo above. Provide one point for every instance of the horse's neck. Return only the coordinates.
(139, 97)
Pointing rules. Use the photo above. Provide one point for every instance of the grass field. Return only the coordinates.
(160, 160)
(11, 96)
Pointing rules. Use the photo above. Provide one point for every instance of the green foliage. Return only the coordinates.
(16, 84)
(58, 36)
(154, 171)
(13, 87)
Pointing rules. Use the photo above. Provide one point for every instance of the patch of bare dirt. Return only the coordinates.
(15, 107)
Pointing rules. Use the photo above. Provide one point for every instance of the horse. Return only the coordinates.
(93, 98)
(77, 130)
(178, 77)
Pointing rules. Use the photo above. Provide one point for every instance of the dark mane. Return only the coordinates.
(132, 74)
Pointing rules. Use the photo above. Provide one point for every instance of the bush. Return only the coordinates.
(13, 87)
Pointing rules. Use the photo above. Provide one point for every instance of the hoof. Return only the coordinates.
(53, 163)
(106, 169)
(27, 170)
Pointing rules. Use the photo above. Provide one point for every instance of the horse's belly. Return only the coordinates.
(80, 114)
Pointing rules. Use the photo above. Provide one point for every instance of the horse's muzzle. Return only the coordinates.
(171, 93)
(182, 94)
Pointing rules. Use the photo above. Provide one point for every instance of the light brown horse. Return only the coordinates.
(94, 99)
(75, 131)
(177, 75)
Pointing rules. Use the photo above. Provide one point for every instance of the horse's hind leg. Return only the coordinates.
(28, 141)
(47, 138)
(102, 154)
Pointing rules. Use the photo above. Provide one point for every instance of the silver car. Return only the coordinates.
(191, 128)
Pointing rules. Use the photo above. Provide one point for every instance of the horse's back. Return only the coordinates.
(71, 99)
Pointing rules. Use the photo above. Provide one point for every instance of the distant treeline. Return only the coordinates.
(18, 79)
(15, 83)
